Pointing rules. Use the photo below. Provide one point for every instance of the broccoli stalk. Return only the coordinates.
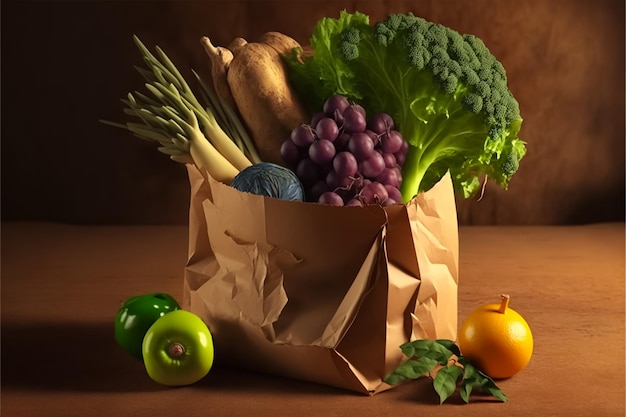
(446, 92)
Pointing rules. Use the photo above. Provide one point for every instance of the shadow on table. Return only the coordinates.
(421, 391)
(230, 379)
(85, 357)
(68, 356)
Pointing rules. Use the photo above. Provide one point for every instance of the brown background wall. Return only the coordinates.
(66, 64)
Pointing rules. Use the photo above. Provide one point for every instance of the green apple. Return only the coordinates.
(178, 349)
(135, 317)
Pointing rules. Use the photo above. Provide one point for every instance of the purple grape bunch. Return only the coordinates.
(344, 159)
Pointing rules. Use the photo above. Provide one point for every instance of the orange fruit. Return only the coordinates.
(496, 339)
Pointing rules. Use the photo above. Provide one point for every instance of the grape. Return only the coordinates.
(353, 120)
(398, 174)
(380, 123)
(338, 118)
(331, 198)
(342, 158)
(325, 167)
(359, 108)
(345, 164)
(359, 181)
(394, 193)
(401, 154)
(346, 193)
(391, 142)
(400, 158)
(375, 136)
(290, 153)
(341, 143)
(321, 151)
(390, 160)
(372, 166)
(327, 128)
(317, 190)
(373, 193)
(335, 103)
(334, 180)
(303, 135)
(388, 202)
(307, 171)
(361, 146)
(316, 118)
(405, 147)
(354, 202)
(389, 176)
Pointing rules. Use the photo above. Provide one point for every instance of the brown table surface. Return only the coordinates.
(62, 284)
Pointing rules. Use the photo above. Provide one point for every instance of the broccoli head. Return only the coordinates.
(446, 92)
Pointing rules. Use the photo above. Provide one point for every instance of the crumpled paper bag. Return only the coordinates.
(321, 293)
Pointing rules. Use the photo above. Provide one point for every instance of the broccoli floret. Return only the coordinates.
(349, 43)
(447, 93)
(456, 60)
(510, 164)
(349, 51)
(399, 22)
(474, 102)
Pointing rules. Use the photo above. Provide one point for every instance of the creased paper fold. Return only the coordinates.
(321, 293)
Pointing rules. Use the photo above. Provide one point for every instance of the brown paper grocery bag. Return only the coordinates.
(321, 293)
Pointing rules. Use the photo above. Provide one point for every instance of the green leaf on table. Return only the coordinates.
(427, 348)
(473, 378)
(446, 380)
(466, 390)
(424, 356)
(469, 370)
(411, 369)
(490, 386)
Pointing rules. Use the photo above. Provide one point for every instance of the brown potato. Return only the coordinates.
(268, 105)
(220, 58)
(235, 44)
(281, 43)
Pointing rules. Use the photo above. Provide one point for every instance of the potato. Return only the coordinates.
(268, 105)
(281, 43)
(220, 61)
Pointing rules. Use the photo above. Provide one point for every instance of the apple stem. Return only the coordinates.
(175, 350)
